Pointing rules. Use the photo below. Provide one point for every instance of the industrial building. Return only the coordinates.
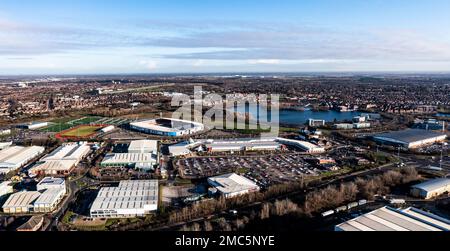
(391, 219)
(231, 185)
(108, 129)
(316, 122)
(130, 199)
(62, 160)
(4, 132)
(430, 124)
(304, 145)
(15, 157)
(167, 127)
(51, 183)
(180, 149)
(4, 145)
(143, 146)
(431, 188)
(32, 225)
(362, 125)
(238, 145)
(6, 188)
(343, 126)
(348, 126)
(410, 138)
(145, 161)
(33, 125)
(21, 202)
(50, 193)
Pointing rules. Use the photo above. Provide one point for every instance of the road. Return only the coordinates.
(72, 190)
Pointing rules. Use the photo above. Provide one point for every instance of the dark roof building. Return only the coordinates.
(410, 138)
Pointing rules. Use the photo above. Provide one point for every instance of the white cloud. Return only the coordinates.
(149, 64)
(265, 61)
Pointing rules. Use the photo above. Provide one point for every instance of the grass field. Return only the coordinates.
(81, 131)
(63, 124)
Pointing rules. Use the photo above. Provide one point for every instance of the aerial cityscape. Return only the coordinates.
(123, 116)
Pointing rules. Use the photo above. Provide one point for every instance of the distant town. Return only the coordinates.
(104, 153)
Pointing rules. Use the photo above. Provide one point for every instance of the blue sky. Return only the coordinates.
(131, 36)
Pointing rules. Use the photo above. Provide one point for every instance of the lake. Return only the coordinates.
(296, 117)
(443, 114)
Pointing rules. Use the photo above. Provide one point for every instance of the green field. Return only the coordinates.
(59, 125)
(81, 131)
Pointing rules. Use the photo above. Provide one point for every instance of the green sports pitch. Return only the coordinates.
(81, 131)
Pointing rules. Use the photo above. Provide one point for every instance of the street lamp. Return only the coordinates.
(442, 154)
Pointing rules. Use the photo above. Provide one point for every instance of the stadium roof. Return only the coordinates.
(410, 135)
(432, 185)
(390, 219)
(177, 125)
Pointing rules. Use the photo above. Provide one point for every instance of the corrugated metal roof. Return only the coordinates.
(410, 135)
(120, 158)
(128, 195)
(232, 183)
(432, 185)
(390, 219)
(49, 197)
(144, 146)
(21, 199)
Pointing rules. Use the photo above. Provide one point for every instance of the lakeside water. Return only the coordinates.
(443, 115)
(296, 117)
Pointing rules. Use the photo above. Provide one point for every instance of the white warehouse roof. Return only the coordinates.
(49, 197)
(129, 198)
(71, 151)
(433, 185)
(390, 219)
(143, 146)
(128, 158)
(63, 159)
(21, 199)
(307, 146)
(232, 183)
(16, 156)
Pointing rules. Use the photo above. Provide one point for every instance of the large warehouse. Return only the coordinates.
(130, 199)
(230, 185)
(21, 202)
(304, 145)
(410, 138)
(143, 146)
(431, 188)
(167, 127)
(63, 160)
(144, 161)
(50, 193)
(391, 219)
(5, 188)
(13, 158)
(33, 125)
(238, 145)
